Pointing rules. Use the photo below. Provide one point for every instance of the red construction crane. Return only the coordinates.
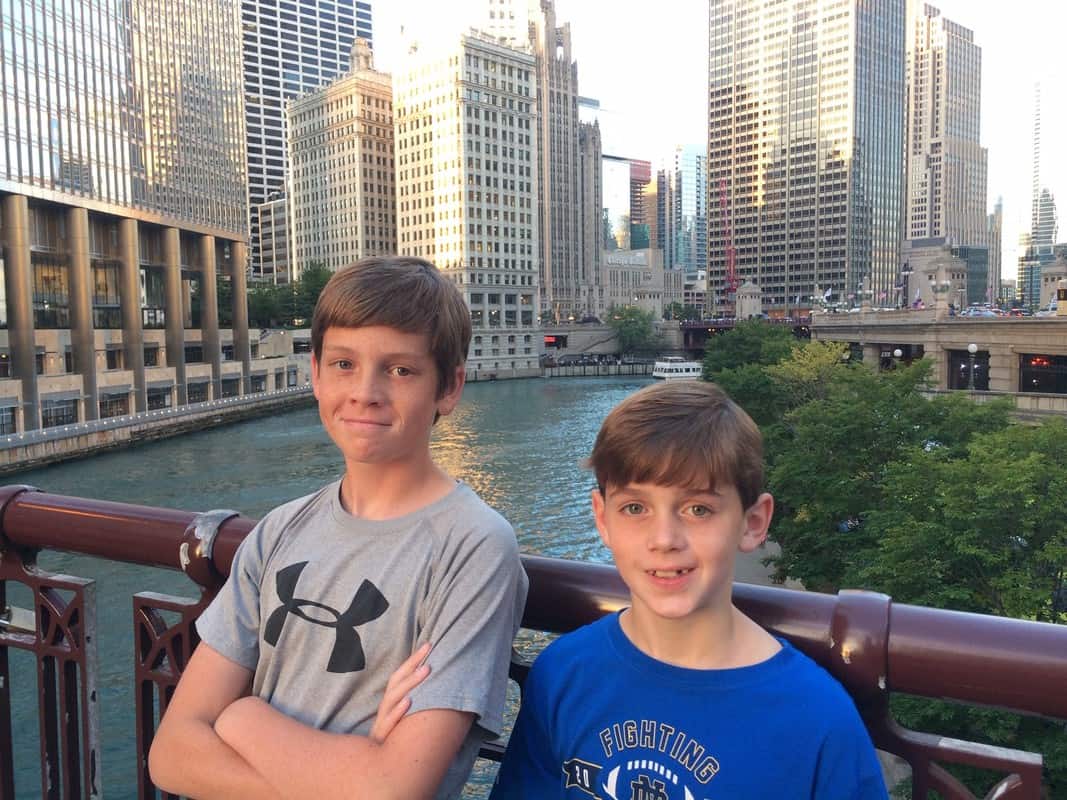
(728, 235)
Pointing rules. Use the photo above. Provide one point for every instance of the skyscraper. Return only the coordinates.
(946, 165)
(122, 175)
(289, 48)
(1039, 242)
(526, 25)
(466, 148)
(805, 145)
(688, 214)
(342, 198)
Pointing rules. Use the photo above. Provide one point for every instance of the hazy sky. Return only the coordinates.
(648, 70)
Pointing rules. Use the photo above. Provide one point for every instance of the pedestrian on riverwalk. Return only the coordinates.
(361, 645)
(681, 695)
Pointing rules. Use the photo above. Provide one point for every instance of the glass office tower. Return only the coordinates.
(805, 146)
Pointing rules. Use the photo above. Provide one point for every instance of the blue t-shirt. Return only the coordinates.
(601, 719)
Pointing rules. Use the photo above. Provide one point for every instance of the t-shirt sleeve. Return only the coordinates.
(529, 771)
(470, 618)
(848, 767)
(230, 625)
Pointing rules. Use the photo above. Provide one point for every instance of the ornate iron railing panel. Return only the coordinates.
(874, 647)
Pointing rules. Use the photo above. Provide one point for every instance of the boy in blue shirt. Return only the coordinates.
(681, 696)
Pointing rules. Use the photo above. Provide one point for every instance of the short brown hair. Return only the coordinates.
(682, 433)
(402, 292)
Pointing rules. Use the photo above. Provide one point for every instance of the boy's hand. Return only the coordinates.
(396, 701)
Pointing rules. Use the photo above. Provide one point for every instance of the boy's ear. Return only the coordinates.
(447, 402)
(598, 516)
(757, 520)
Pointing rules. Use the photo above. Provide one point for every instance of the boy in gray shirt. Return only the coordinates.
(333, 593)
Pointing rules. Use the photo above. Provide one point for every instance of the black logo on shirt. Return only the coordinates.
(368, 604)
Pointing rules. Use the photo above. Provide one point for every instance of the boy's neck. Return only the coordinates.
(712, 639)
(388, 491)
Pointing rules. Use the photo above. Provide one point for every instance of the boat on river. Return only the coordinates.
(674, 368)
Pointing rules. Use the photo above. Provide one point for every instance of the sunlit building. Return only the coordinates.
(465, 126)
(289, 48)
(805, 145)
(342, 185)
(687, 212)
(946, 165)
(124, 217)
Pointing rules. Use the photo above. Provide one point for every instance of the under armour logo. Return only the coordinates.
(367, 605)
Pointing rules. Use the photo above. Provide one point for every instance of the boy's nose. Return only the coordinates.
(366, 388)
(665, 534)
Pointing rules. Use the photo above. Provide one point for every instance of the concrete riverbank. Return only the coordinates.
(64, 442)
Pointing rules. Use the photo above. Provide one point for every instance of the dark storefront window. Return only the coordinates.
(114, 405)
(151, 356)
(227, 352)
(1042, 373)
(159, 398)
(58, 412)
(197, 392)
(231, 387)
(194, 354)
(7, 421)
(107, 313)
(258, 383)
(959, 370)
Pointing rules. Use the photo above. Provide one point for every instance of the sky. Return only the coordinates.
(647, 67)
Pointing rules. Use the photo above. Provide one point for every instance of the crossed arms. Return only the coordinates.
(216, 741)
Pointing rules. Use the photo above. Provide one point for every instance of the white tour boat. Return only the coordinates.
(673, 368)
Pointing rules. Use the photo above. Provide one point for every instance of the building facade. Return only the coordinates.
(590, 192)
(687, 239)
(465, 124)
(805, 146)
(274, 243)
(946, 165)
(995, 238)
(289, 49)
(342, 184)
(122, 186)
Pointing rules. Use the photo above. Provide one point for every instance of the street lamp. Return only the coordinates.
(972, 348)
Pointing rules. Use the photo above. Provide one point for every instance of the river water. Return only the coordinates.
(519, 444)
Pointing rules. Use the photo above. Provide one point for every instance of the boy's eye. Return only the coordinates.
(699, 510)
(402, 372)
(343, 363)
(632, 508)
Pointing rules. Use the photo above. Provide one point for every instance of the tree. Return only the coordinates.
(750, 342)
(307, 290)
(633, 329)
(678, 311)
(265, 305)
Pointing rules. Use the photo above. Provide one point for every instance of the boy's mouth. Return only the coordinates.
(669, 573)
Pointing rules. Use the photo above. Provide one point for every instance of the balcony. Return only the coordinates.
(873, 646)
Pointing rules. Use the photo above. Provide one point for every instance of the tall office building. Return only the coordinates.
(1039, 242)
(994, 236)
(466, 159)
(687, 239)
(342, 184)
(805, 142)
(290, 48)
(122, 185)
(946, 165)
(592, 232)
(531, 25)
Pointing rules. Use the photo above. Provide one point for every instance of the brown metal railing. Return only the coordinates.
(874, 647)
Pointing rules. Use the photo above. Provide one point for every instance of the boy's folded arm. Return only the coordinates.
(300, 761)
(187, 756)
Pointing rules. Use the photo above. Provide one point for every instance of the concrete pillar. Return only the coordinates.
(132, 324)
(18, 283)
(172, 257)
(872, 355)
(209, 313)
(239, 286)
(82, 339)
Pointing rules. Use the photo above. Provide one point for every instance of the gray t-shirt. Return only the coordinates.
(324, 606)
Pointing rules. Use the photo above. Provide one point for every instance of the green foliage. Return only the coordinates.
(287, 305)
(633, 329)
(750, 342)
(938, 502)
(678, 311)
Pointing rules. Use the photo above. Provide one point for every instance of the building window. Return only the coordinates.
(194, 354)
(116, 359)
(38, 362)
(58, 412)
(159, 398)
(1042, 373)
(114, 405)
(51, 296)
(290, 377)
(107, 313)
(258, 383)
(231, 387)
(279, 380)
(151, 356)
(7, 421)
(197, 392)
(5, 365)
(227, 352)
